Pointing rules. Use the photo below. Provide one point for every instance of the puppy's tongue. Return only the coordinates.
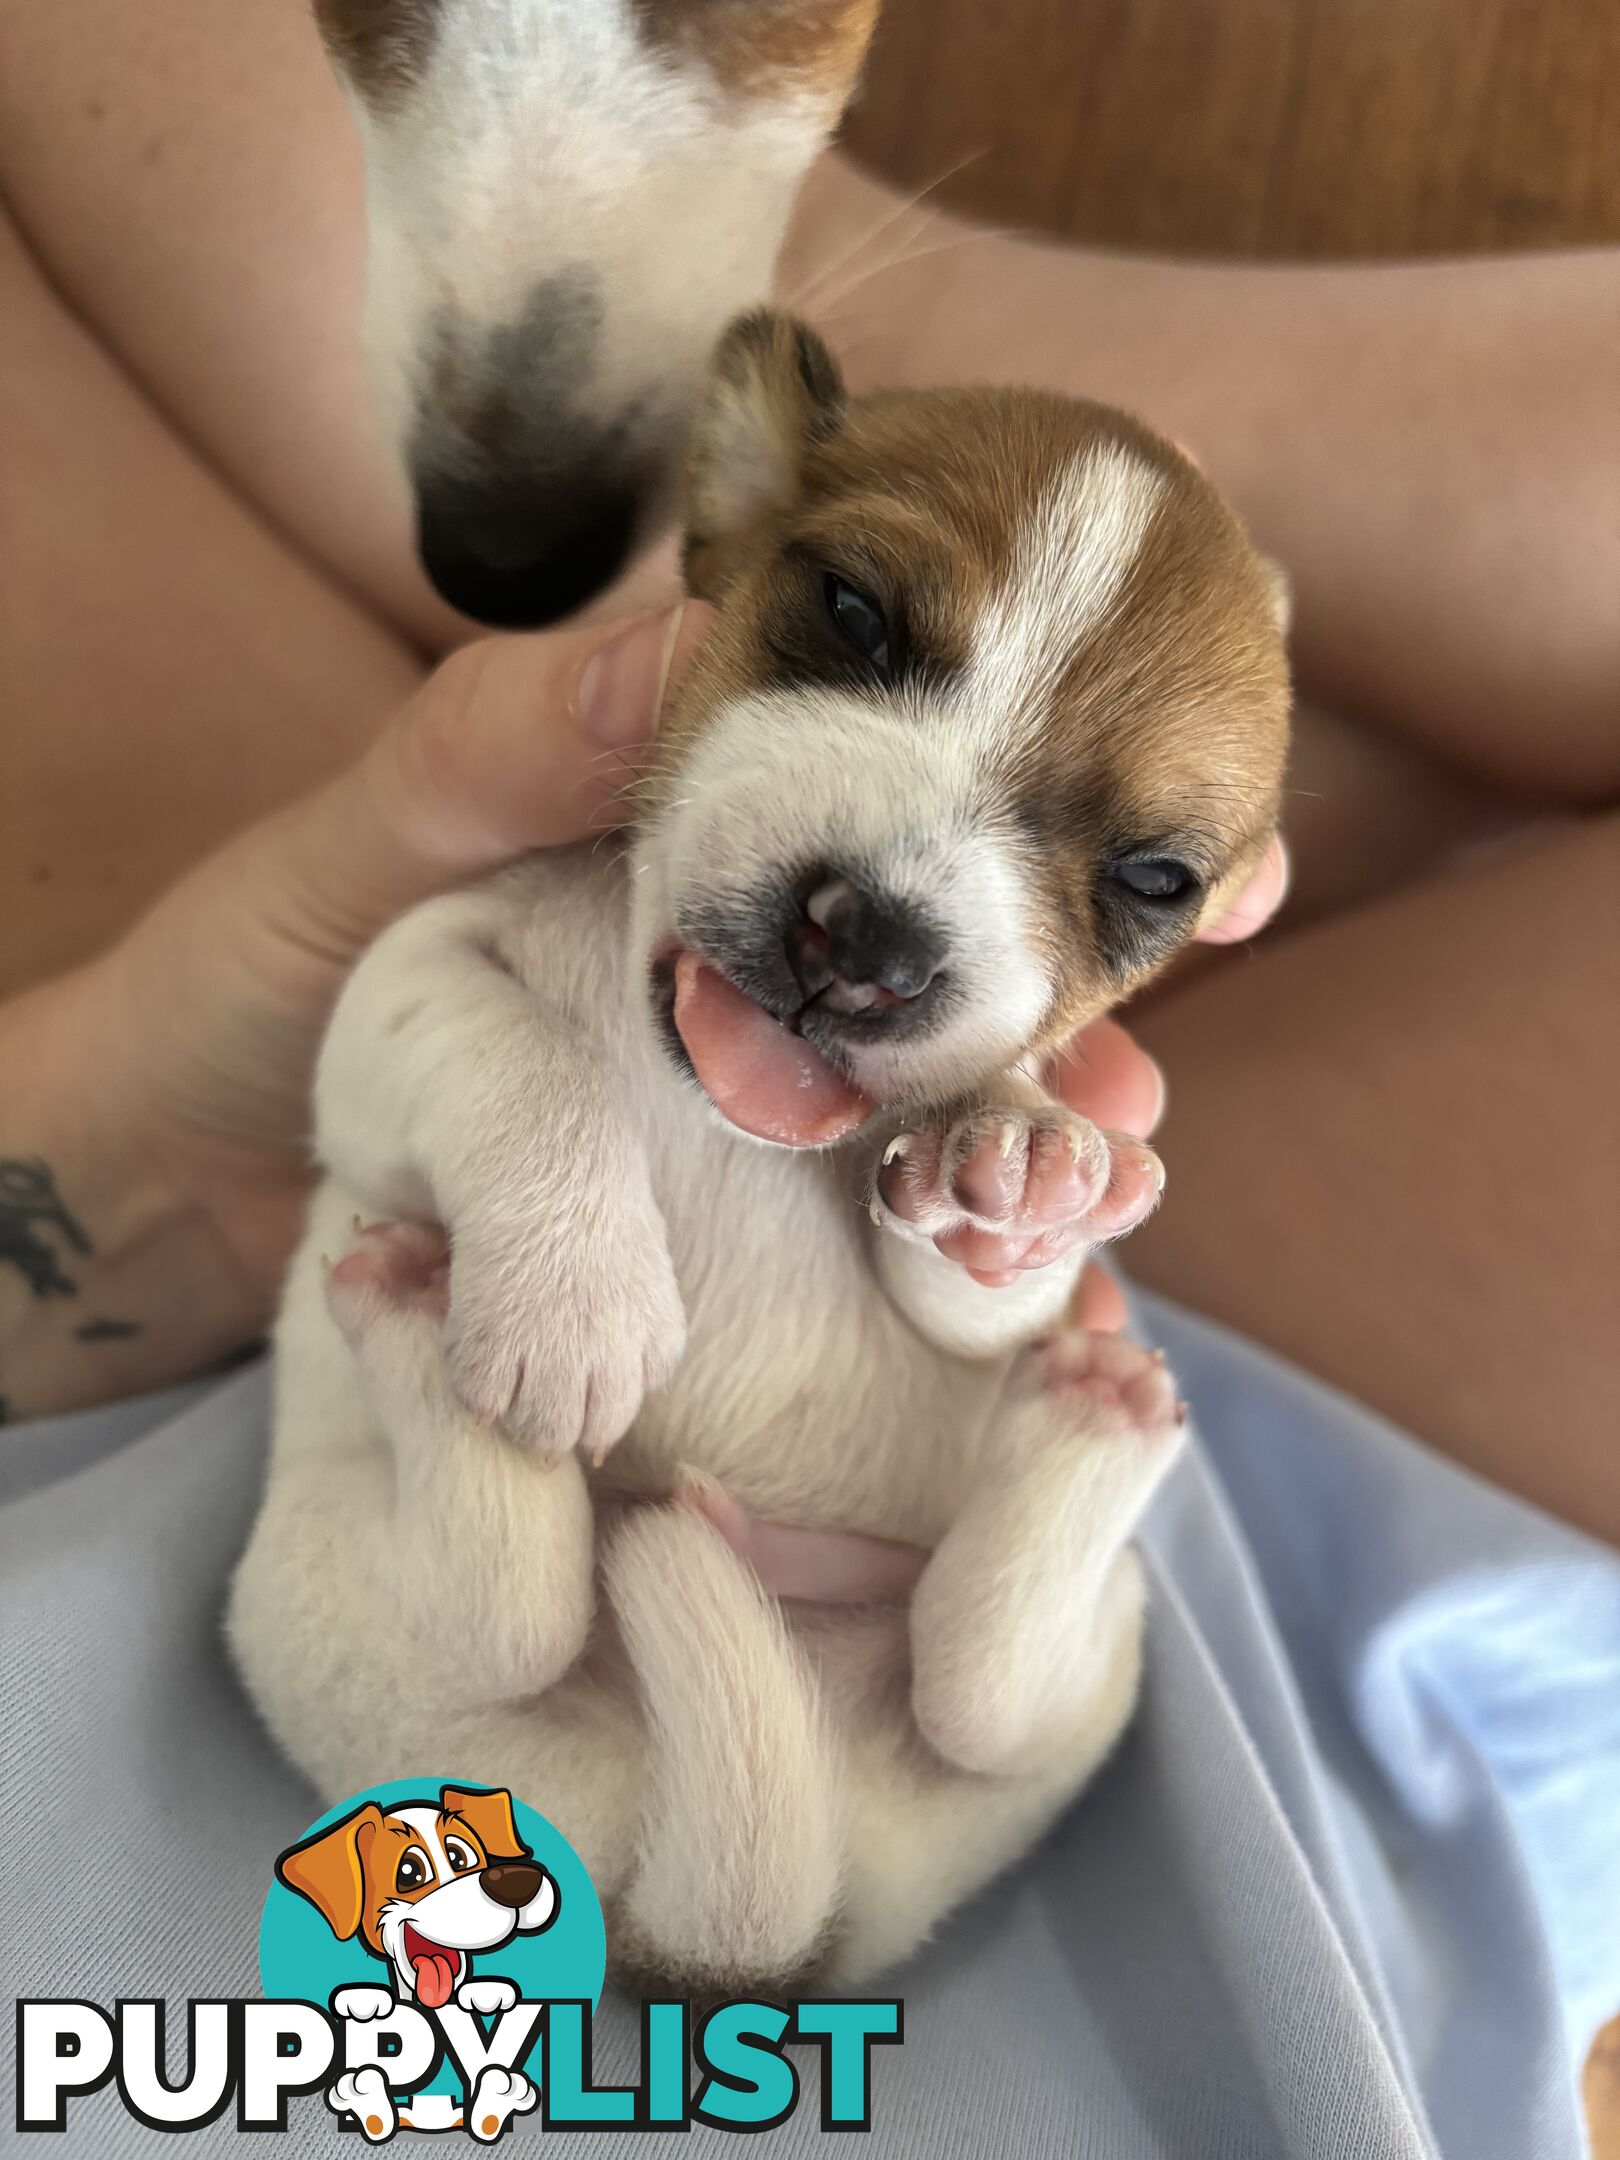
(435, 1972)
(765, 1079)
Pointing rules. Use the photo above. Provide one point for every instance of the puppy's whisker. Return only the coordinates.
(815, 281)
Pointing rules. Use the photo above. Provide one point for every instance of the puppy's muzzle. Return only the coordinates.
(513, 1883)
(860, 951)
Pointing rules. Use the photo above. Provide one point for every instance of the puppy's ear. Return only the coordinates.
(489, 1817)
(774, 389)
(329, 1869)
(1282, 594)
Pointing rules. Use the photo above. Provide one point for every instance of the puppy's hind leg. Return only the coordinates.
(738, 1865)
(491, 1555)
(1026, 1623)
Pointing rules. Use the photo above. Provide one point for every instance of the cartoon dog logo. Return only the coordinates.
(423, 1885)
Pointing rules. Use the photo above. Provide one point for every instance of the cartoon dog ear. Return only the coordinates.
(489, 1816)
(329, 1869)
(774, 389)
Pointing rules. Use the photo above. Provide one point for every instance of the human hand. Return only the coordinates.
(162, 1091)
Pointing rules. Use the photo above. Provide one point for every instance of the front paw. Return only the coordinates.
(559, 1343)
(1001, 1189)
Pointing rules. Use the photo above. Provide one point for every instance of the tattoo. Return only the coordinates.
(29, 1202)
(35, 1221)
(106, 1331)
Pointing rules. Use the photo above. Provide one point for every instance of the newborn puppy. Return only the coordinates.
(992, 719)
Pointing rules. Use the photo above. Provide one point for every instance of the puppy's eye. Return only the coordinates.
(413, 1870)
(859, 621)
(1154, 877)
(460, 1856)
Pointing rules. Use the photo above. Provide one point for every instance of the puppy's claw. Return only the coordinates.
(898, 1146)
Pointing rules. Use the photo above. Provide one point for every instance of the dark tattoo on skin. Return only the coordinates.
(35, 1223)
(106, 1331)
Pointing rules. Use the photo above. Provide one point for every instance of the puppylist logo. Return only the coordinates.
(432, 1955)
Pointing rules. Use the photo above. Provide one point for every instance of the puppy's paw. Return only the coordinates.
(392, 1269)
(1001, 1189)
(558, 1336)
(363, 2094)
(1103, 1384)
(362, 2004)
(486, 1998)
(496, 2098)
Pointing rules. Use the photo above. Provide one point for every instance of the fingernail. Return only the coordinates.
(621, 686)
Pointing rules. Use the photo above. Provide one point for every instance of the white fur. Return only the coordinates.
(1069, 570)
(895, 786)
(546, 138)
(755, 1788)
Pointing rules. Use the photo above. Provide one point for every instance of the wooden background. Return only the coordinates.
(1266, 128)
(1312, 128)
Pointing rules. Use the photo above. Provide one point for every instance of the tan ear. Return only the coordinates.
(773, 390)
(489, 1816)
(329, 1869)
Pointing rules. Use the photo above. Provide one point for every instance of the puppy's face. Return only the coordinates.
(993, 718)
(424, 1886)
(565, 204)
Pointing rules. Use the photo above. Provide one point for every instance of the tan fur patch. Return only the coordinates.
(761, 47)
(381, 47)
(1115, 658)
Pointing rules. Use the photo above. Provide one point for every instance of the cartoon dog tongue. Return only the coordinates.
(435, 1971)
(755, 1071)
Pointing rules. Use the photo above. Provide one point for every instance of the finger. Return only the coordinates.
(1257, 902)
(1098, 1304)
(1108, 1078)
(514, 743)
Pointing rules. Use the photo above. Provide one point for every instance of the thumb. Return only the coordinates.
(511, 744)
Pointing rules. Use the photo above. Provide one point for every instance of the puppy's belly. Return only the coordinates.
(862, 1427)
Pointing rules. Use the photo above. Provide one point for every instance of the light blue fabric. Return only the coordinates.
(1350, 1888)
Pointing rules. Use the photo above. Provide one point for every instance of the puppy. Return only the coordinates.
(422, 1886)
(993, 717)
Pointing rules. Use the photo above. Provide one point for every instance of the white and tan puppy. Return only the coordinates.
(993, 716)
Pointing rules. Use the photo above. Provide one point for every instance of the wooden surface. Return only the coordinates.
(1272, 128)
(1267, 128)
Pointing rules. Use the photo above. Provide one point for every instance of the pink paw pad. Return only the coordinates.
(1008, 1190)
(1107, 1372)
(392, 1267)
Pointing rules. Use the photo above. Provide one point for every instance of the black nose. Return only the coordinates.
(513, 1883)
(517, 557)
(860, 951)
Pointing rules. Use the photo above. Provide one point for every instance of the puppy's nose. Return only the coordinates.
(512, 1883)
(861, 951)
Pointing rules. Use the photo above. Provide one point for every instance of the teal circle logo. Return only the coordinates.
(423, 1884)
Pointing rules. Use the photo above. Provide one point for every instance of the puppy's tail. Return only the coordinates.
(737, 1876)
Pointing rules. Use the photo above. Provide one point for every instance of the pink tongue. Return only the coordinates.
(435, 1972)
(766, 1080)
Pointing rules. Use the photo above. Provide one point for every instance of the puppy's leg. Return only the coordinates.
(737, 1873)
(488, 1560)
(446, 1090)
(1030, 1610)
(1012, 1170)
